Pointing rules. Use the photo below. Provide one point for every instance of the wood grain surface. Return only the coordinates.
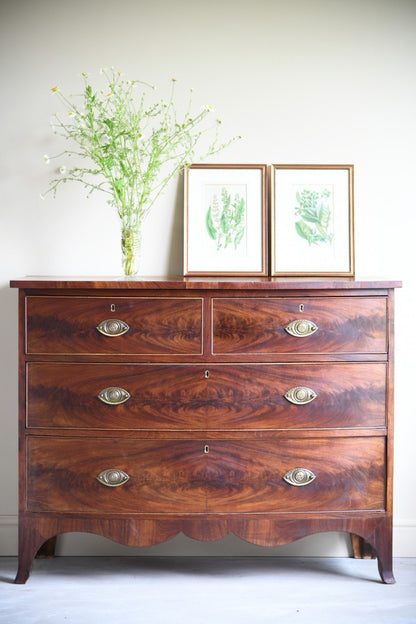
(233, 477)
(207, 434)
(345, 324)
(157, 325)
(206, 397)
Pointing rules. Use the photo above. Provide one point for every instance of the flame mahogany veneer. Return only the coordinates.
(202, 432)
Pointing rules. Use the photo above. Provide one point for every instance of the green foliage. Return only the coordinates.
(226, 223)
(126, 147)
(314, 216)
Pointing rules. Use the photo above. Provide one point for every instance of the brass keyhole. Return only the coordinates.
(113, 307)
(301, 307)
(206, 374)
(206, 448)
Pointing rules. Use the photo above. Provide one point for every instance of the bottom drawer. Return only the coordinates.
(188, 476)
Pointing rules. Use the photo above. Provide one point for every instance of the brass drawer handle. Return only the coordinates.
(299, 476)
(112, 327)
(113, 395)
(112, 477)
(300, 395)
(301, 328)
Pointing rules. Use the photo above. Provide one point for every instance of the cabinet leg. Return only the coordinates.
(383, 546)
(385, 561)
(361, 549)
(386, 571)
(376, 543)
(30, 541)
(47, 550)
(26, 555)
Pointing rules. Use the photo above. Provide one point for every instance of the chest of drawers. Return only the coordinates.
(261, 407)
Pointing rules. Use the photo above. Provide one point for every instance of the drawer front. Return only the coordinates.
(164, 476)
(205, 476)
(151, 325)
(213, 397)
(257, 325)
(249, 476)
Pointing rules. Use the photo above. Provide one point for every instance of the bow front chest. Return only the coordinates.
(259, 407)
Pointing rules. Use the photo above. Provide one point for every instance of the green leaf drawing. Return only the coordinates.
(225, 221)
(210, 225)
(314, 216)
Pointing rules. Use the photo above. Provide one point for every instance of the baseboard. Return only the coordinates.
(322, 545)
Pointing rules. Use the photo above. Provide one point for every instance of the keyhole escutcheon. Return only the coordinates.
(206, 448)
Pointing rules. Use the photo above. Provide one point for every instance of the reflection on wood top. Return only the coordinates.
(205, 282)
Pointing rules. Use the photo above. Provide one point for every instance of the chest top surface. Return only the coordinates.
(191, 283)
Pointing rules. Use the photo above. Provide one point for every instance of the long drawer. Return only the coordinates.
(256, 396)
(102, 325)
(316, 325)
(204, 476)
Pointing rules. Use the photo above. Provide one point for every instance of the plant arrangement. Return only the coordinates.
(130, 148)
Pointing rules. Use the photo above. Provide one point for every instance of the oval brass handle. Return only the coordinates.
(112, 327)
(299, 476)
(300, 395)
(112, 477)
(301, 328)
(113, 395)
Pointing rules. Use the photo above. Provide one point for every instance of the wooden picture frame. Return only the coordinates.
(225, 220)
(312, 220)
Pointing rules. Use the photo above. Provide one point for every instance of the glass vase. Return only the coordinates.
(130, 249)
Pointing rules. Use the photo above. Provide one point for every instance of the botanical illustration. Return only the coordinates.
(225, 218)
(313, 213)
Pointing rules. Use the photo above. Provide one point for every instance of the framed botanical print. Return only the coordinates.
(312, 220)
(225, 220)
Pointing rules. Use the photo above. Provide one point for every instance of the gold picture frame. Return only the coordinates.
(312, 220)
(226, 220)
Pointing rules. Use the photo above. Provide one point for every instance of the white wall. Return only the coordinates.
(305, 81)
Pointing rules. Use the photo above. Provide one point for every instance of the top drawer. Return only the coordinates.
(88, 325)
(327, 325)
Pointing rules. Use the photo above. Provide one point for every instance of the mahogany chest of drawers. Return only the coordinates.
(259, 407)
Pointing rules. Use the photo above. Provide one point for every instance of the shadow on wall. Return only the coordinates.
(175, 258)
(9, 398)
(9, 343)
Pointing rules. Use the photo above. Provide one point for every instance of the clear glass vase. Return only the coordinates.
(130, 249)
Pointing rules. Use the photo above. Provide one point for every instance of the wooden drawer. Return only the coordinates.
(257, 325)
(233, 476)
(156, 325)
(178, 397)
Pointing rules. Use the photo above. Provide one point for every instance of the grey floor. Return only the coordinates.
(204, 590)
